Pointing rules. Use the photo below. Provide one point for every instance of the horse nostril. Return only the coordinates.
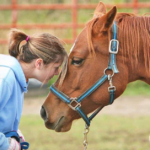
(43, 113)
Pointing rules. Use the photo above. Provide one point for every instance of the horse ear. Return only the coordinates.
(110, 16)
(100, 10)
(104, 22)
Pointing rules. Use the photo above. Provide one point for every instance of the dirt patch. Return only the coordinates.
(124, 105)
(129, 105)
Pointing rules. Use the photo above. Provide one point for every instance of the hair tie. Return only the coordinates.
(27, 38)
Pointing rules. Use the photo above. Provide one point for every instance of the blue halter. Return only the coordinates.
(75, 103)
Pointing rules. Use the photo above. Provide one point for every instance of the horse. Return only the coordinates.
(112, 50)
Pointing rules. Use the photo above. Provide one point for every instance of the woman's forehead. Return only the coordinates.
(58, 63)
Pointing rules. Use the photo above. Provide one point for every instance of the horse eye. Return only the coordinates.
(77, 61)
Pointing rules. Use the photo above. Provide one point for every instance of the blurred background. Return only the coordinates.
(122, 126)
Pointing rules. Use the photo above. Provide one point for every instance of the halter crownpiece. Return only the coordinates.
(113, 50)
(27, 39)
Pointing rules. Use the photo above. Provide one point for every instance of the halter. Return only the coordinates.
(75, 102)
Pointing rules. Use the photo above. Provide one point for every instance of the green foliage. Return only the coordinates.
(106, 133)
(52, 81)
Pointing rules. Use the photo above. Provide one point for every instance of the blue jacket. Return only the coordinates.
(12, 87)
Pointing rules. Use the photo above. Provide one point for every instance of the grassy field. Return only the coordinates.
(106, 133)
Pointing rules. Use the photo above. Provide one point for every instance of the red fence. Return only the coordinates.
(74, 6)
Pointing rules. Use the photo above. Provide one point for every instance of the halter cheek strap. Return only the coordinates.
(113, 50)
(75, 103)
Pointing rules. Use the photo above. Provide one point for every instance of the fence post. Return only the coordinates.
(74, 19)
(14, 13)
(135, 8)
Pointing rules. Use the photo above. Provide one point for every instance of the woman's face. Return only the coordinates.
(51, 70)
(46, 72)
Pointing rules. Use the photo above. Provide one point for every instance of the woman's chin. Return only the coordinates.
(46, 81)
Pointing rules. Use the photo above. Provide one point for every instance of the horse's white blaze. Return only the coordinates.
(72, 48)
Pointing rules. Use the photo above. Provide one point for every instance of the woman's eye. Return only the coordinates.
(76, 61)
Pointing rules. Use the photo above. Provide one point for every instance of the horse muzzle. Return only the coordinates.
(59, 126)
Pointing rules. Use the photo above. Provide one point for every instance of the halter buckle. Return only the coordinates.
(111, 88)
(113, 46)
(73, 101)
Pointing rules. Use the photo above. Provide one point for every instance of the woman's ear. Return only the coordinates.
(39, 63)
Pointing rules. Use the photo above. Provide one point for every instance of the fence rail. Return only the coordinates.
(74, 7)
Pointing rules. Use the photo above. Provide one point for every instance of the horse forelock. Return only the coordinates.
(134, 37)
(90, 47)
(89, 27)
(63, 72)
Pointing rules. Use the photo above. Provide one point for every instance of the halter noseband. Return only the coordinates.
(75, 103)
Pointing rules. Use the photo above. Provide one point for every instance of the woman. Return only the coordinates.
(40, 58)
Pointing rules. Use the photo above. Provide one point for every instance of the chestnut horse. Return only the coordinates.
(98, 68)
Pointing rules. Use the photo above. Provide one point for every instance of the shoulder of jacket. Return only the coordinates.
(7, 74)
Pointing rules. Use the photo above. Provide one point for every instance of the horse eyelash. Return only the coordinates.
(80, 61)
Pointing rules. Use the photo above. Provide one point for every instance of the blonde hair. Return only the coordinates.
(44, 46)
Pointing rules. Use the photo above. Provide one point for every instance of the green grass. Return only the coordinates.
(106, 133)
(137, 88)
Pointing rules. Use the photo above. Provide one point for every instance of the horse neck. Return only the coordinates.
(134, 39)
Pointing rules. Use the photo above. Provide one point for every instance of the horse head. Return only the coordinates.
(88, 62)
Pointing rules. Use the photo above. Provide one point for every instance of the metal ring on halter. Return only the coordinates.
(73, 101)
(110, 70)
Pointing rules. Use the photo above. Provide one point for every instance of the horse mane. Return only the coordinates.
(133, 35)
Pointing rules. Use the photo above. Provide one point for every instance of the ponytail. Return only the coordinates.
(44, 46)
(15, 38)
